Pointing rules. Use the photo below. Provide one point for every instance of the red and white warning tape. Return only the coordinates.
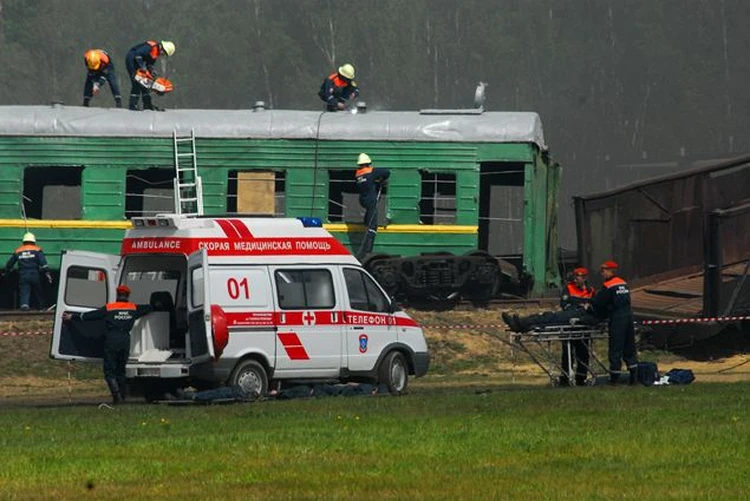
(695, 320)
(467, 326)
(27, 333)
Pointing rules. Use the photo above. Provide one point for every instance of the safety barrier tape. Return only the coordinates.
(466, 326)
(28, 333)
(695, 320)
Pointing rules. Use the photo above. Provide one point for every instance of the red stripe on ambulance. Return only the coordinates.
(241, 228)
(291, 246)
(293, 346)
(228, 228)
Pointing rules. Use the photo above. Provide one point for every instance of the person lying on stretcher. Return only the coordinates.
(574, 301)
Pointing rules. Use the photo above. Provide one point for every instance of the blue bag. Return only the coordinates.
(680, 376)
(648, 373)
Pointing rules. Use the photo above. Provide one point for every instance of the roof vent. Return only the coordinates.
(479, 95)
(361, 107)
(259, 106)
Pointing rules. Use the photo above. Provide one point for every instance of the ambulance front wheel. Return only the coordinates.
(394, 372)
(251, 377)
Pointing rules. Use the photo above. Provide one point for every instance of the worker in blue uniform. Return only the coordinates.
(119, 317)
(143, 57)
(100, 71)
(612, 302)
(338, 88)
(370, 181)
(31, 264)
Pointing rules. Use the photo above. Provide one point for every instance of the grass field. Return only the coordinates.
(479, 426)
(523, 443)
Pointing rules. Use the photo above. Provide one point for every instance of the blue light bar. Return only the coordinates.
(311, 222)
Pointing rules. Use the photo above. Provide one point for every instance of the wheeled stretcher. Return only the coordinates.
(543, 345)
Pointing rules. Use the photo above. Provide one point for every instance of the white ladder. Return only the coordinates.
(188, 188)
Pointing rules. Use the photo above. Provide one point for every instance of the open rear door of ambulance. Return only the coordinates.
(201, 345)
(87, 282)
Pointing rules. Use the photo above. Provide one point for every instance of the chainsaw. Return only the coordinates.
(159, 85)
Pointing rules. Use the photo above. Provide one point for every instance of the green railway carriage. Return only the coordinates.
(462, 180)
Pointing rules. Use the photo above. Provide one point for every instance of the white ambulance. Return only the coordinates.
(243, 302)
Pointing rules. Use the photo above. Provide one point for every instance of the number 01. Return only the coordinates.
(235, 288)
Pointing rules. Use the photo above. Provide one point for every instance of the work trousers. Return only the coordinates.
(115, 360)
(621, 344)
(558, 317)
(88, 86)
(371, 227)
(27, 283)
(137, 90)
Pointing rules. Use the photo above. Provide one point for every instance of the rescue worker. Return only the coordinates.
(338, 88)
(100, 71)
(370, 184)
(613, 302)
(119, 318)
(575, 304)
(31, 263)
(143, 57)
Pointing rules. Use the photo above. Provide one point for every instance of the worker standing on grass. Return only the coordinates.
(100, 71)
(31, 263)
(119, 318)
(575, 302)
(613, 303)
(143, 57)
(370, 184)
(338, 88)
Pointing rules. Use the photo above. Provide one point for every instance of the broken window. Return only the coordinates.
(437, 205)
(52, 192)
(256, 193)
(149, 192)
(343, 197)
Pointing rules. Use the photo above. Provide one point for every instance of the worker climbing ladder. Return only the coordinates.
(188, 190)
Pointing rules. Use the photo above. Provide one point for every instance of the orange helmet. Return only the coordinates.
(93, 60)
(610, 265)
(123, 290)
(581, 272)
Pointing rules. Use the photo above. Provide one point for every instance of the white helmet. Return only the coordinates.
(168, 47)
(29, 237)
(364, 159)
(347, 71)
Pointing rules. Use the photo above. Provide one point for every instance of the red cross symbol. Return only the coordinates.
(308, 318)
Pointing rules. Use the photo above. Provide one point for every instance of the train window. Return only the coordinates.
(437, 204)
(343, 197)
(256, 192)
(52, 192)
(501, 205)
(149, 192)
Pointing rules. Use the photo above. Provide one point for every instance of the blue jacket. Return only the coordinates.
(368, 179)
(336, 89)
(119, 317)
(143, 56)
(30, 259)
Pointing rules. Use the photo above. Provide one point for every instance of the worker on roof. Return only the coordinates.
(370, 183)
(575, 302)
(100, 70)
(31, 264)
(338, 88)
(119, 317)
(613, 303)
(143, 57)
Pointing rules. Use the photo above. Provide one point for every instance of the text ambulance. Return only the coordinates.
(241, 302)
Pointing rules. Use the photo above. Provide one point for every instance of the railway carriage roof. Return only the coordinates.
(435, 126)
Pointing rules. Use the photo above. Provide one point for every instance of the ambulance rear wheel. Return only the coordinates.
(251, 377)
(394, 372)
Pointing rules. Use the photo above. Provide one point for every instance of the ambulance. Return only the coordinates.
(240, 301)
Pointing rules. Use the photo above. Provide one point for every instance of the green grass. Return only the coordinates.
(523, 443)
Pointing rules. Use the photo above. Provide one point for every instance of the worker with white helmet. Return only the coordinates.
(31, 263)
(339, 87)
(100, 70)
(143, 57)
(370, 183)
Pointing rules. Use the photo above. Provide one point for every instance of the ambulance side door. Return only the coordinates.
(87, 282)
(370, 325)
(308, 320)
(200, 347)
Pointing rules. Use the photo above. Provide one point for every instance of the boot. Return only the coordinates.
(133, 103)
(118, 102)
(122, 386)
(580, 380)
(114, 389)
(613, 378)
(520, 324)
(508, 320)
(147, 103)
(86, 101)
(633, 379)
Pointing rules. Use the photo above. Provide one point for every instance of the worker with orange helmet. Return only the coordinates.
(143, 57)
(339, 87)
(613, 303)
(100, 70)
(119, 317)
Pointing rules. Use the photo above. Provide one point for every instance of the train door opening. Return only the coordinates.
(256, 193)
(501, 209)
